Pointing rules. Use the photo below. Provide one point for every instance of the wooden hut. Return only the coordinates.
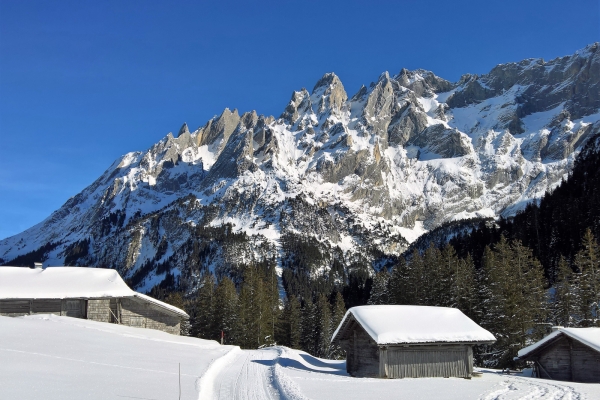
(97, 294)
(389, 341)
(567, 354)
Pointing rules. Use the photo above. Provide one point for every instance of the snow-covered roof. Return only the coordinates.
(69, 282)
(587, 336)
(391, 324)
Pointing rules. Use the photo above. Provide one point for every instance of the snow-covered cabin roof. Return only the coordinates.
(588, 336)
(391, 324)
(69, 282)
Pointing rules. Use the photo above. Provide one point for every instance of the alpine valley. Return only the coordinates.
(335, 183)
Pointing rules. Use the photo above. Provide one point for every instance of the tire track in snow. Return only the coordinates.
(517, 388)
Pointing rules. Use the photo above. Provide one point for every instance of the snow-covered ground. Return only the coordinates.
(50, 357)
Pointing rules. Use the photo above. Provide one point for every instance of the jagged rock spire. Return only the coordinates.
(183, 129)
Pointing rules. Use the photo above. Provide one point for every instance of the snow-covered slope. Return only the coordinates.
(52, 357)
(359, 177)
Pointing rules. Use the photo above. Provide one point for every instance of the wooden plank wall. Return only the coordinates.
(15, 308)
(18, 308)
(570, 360)
(127, 311)
(362, 354)
(428, 361)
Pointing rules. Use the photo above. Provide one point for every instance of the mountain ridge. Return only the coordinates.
(359, 177)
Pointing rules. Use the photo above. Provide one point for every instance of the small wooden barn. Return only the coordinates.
(391, 341)
(567, 354)
(90, 293)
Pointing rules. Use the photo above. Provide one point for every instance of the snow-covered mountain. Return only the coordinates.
(356, 178)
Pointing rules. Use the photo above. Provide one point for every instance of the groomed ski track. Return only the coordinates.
(259, 374)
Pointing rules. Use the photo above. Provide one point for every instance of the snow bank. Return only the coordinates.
(587, 336)
(69, 282)
(206, 384)
(56, 358)
(388, 324)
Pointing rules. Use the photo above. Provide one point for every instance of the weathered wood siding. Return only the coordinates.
(418, 361)
(362, 353)
(126, 311)
(141, 314)
(15, 308)
(569, 360)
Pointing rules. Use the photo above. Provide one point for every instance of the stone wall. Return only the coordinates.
(138, 313)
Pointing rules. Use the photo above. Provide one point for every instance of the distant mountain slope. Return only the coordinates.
(335, 183)
(552, 227)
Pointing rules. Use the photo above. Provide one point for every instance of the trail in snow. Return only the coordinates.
(514, 388)
(248, 377)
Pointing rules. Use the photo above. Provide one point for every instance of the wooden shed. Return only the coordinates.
(97, 294)
(390, 341)
(567, 354)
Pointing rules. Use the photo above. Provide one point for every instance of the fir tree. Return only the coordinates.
(379, 289)
(565, 295)
(398, 284)
(587, 262)
(309, 339)
(226, 311)
(464, 288)
(203, 325)
(415, 289)
(294, 323)
(324, 329)
(515, 301)
(339, 310)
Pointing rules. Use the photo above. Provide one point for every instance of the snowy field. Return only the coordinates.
(50, 357)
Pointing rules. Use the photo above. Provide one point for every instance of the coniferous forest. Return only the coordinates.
(515, 277)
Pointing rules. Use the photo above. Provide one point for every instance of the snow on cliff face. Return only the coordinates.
(374, 170)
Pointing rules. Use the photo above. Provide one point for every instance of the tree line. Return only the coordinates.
(506, 293)
(251, 313)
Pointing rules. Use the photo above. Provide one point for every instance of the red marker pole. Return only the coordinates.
(222, 334)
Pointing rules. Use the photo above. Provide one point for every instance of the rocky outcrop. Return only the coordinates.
(358, 177)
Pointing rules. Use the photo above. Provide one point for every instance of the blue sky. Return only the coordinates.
(83, 82)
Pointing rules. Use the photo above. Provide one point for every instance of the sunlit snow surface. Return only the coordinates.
(58, 358)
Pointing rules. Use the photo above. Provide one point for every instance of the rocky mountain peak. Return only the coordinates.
(184, 129)
(352, 179)
(328, 94)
